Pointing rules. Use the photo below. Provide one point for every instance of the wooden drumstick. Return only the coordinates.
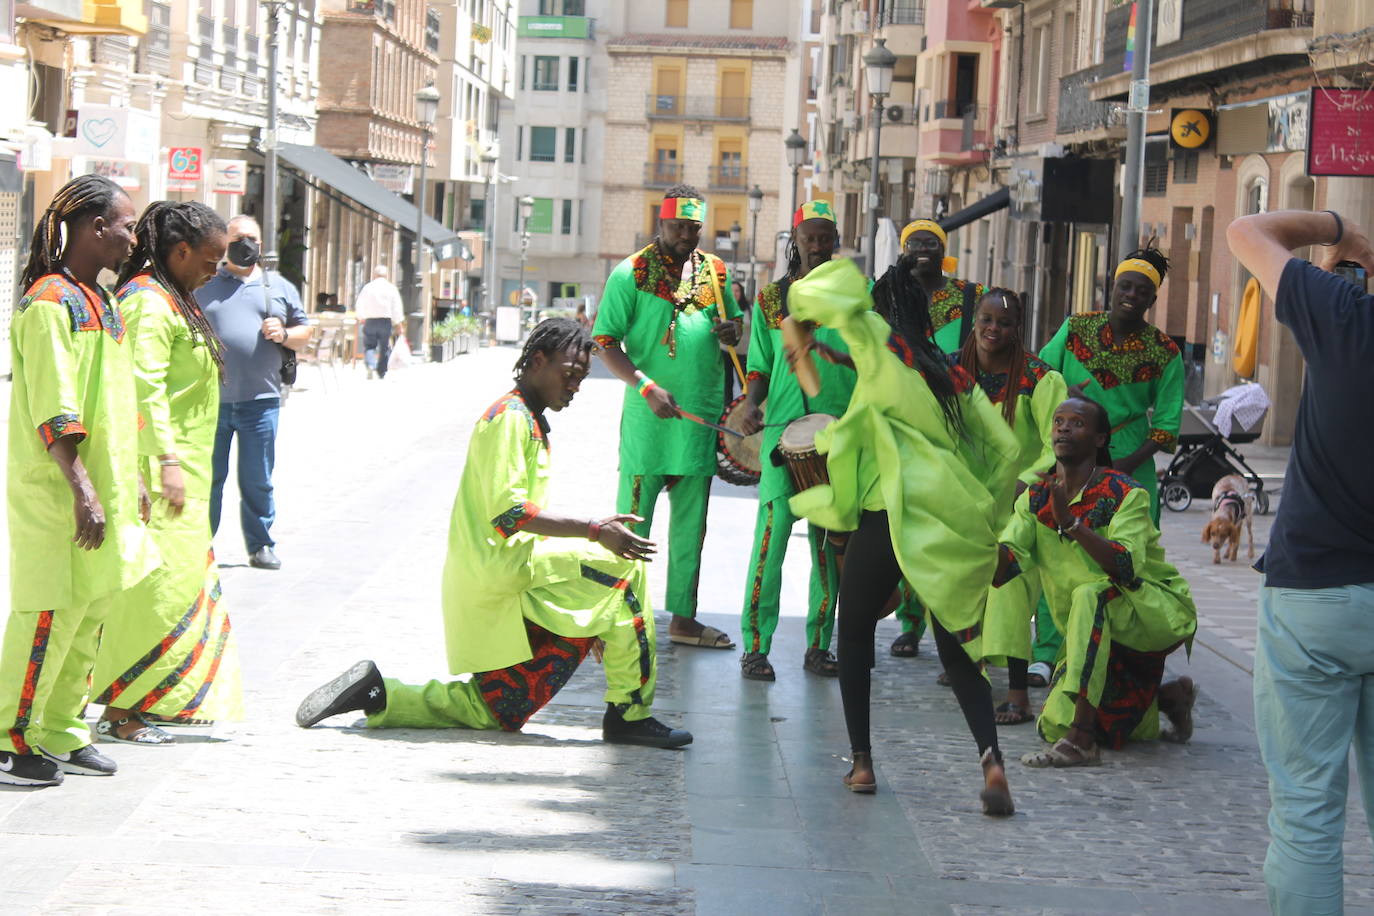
(799, 340)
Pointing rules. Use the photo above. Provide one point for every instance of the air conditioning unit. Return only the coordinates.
(895, 113)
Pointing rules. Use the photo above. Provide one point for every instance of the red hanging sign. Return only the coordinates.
(1340, 135)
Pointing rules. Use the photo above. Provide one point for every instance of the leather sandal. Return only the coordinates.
(821, 662)
(754, 666)
(108, 730)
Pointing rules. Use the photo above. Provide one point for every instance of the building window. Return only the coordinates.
(675, 14)
(1039, 71)
(522, 72)
(1156, 166)
(545, 74)
(543, 144)
(567, 222)
(570, 144)
(1069, 53)
(572, 74)
(519, 143)
(562, 8)
(741, 14)
(1185, 166)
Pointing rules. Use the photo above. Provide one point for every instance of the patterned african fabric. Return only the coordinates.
(786, 401)
(72, 375)
(514, 694)
(947, 312)
(946, 495)
(664, 324)
(168, 647)
(1144, 605)
(1138, 379)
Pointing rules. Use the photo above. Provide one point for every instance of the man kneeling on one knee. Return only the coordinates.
(521, 611)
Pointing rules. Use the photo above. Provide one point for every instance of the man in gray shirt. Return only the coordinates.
(254, 329)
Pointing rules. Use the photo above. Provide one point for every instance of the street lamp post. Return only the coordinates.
(489, 160)
(878, 64)
(526, 208)
(426, 109)
(268, 259)
(755, 205)
(796, 158)
(734, 232)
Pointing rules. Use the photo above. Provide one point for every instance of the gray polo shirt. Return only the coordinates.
(236, 309)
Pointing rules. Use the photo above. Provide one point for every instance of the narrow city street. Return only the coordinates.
(261, 816)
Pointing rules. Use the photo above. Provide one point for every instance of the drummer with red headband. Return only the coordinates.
(772, 379)
(664, 313)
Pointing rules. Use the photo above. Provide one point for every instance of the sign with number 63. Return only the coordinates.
(184, 163)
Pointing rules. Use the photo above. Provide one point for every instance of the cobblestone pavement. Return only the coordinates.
(263, 816)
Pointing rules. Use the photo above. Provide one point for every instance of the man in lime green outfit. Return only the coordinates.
(521, 614)
(664, 313)
(952, 304)
(772, 379)
(73, 451)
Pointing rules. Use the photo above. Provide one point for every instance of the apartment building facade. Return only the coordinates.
(703, 92)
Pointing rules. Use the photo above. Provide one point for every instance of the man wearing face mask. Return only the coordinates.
(254, 328)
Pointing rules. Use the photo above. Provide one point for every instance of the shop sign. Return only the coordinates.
(1341, 133)
(228, 176)
(121, 172)
(106, 132)
(1190, 128)
(395, 178)
(183, 168)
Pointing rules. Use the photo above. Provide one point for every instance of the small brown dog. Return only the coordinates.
(1233, 503)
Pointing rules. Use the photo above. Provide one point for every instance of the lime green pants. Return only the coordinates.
(45, 677)
(562, 621)
(687, 497)
(759, 620)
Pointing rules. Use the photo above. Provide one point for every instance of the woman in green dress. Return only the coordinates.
(1027, 391)
(1129, 366)
(168, 650)
(1121, 607)
(921, 470)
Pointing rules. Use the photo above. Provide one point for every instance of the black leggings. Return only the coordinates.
(1018, 672)
(870, 575)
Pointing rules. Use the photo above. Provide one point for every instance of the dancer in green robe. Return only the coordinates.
(660, 328)
(168, 650)
(921, 470)
(772, 379)
(76, 538)
(1121, 606)
(522, 609)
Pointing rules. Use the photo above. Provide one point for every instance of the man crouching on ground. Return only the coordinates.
(520, 611)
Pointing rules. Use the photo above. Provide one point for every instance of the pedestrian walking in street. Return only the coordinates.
(256, 326)
(168, 653)
(381, 317)
(664, 313)
(921, 469)
(522, 609)
(73, 451)
(742, 349)
(773, 380)
(951, 302)
(1314, 658)
(1027, 390)
(1122, 609)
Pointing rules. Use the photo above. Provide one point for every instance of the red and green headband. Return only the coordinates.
(683, 208)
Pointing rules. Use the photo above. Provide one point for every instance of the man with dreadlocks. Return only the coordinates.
(951, 303)
(772, 379)
(168, 653)
(521, 611)
(921, 470)
(73, 449)
(660, 326)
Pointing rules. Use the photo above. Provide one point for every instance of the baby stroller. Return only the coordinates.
(1205, 453)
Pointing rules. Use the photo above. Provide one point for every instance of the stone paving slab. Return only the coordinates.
(262, 816)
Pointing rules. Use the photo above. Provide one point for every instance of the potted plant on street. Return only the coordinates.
(442, 343)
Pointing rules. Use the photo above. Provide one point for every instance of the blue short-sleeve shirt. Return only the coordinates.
(236, 309)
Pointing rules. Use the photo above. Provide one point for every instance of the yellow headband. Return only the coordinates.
(1140, 266)
(927, 225)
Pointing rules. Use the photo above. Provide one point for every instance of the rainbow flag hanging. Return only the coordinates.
(1130, 41)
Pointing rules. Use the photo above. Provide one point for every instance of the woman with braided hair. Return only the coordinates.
(73, 451)
(168, 653)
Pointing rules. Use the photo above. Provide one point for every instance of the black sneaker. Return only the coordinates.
(646, 732)
(358, 688)
(85, 761)
(28, 770)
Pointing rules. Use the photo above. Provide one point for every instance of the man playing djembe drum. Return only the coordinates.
(660, 327)
(772, 379)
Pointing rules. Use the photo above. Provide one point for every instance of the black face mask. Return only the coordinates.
(243, 252)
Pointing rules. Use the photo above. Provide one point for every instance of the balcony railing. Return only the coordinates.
(661, 174)
(728, 178)
(903, 12)
(383, 8)
(975, 127)
(697, 107)
(1290, 19)
(204, 73)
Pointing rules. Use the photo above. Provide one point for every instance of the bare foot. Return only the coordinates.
(1176, 700)
(861, 777)
(685, 626)
(996, 794)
